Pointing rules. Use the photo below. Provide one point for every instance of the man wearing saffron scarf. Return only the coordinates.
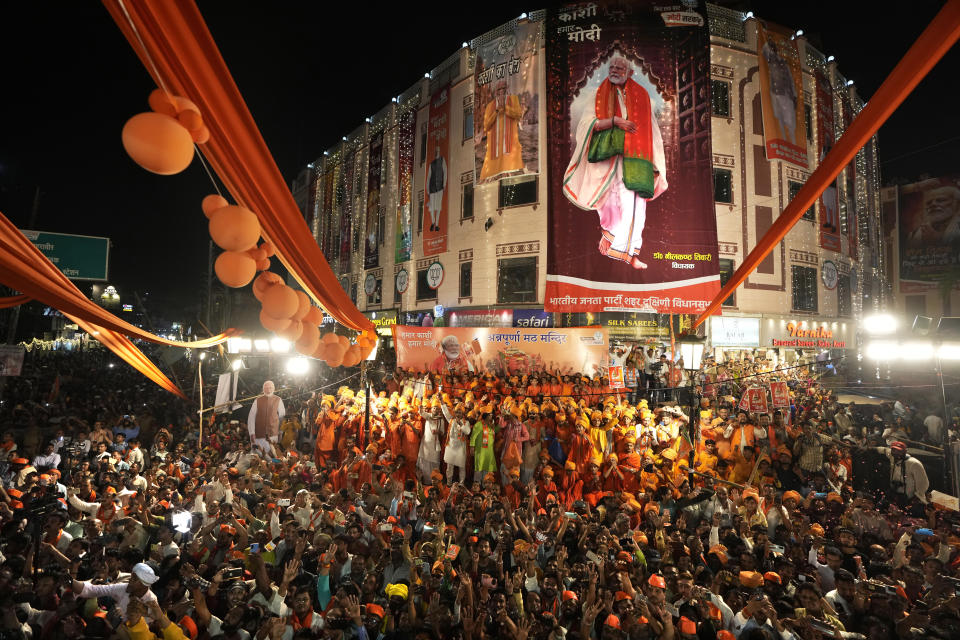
(618, 163)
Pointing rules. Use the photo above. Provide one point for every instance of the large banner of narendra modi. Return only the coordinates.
(632, 223)
(929, 231)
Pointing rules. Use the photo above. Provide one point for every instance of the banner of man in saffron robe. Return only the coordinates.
(781, 97)
(505, 101)
(632, 222)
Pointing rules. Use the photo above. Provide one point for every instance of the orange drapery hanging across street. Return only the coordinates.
(175, 46)
(13, 301)
(939, 36)
(24, 268)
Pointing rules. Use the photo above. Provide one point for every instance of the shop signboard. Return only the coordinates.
(78, 257)
(481, 318)
(532, 318)
(383, 320)
(730, 331)
(808, 334)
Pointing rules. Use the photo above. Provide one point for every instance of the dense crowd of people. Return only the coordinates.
(473, 505)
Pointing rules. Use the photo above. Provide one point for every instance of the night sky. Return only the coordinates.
(310, 73)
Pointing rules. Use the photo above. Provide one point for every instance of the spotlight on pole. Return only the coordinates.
(881, 350)
(880, 325)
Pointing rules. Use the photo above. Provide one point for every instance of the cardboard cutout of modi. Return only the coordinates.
(618, 162)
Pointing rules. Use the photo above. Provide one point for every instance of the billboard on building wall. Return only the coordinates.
(437, 182)
(405, 149)
(330, 178)
(502, 350)
(781, 96)
(371, 254)
(929, 230)
(505, 99)
(632, 223)
(829, 204)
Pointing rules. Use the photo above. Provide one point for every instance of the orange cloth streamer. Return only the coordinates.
(24, 268)
(177, 47)
(939, 36)
(13, 301)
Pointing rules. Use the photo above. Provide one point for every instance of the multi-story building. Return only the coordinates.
(802, 297)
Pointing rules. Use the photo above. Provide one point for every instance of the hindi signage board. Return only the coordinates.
(78, 257)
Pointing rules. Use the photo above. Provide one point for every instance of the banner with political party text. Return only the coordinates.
(437, 176)
(505, 102)
(504, 350)
(781, 96)
(632, 222)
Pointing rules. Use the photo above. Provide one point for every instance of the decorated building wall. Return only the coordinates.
(493, 253)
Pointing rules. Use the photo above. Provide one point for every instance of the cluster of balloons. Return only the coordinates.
(161, 141)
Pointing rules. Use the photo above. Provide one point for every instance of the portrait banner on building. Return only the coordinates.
(437, 174)
(405, 151)
(829, 204)
(850, 178)
(632, 223)
(502, 350)
(371, 254)
(326, 220)
(505, 99)
(781, 96)
(929, 231)
(11, 360)
(346, 211)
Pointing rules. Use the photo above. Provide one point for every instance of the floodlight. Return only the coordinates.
(916, 351)
(279, 345)
(881, 350)
(237, 364)
(880, 325)
(297, 366)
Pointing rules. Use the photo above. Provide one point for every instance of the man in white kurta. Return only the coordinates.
(455, 453)
(431, 444)
(617, 178)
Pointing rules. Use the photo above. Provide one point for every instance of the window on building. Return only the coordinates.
(424, 292)
(723, 185)
(377, 295)
(793, 188)
(808, 119)
(466, 279)
(804, 280)
(720, 97)
(843, 296)
(423, 144)
(515, 192)
(466, 201)
(420, 212)
(726, 272)
(467, 123)
(517, 280)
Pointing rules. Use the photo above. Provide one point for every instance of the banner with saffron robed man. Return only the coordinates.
(502, 350)
(505, 101)
(781, 96)
(632, 222)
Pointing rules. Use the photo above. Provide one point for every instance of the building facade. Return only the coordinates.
(493, 271)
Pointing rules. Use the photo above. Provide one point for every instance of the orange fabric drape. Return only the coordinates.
(939, 36)
(179, 52)
(13, 301)
(24, 268)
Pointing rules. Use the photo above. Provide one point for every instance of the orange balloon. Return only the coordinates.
(365, 352)
(334, 362)
(350, 360)
(273, 324)
(280, 301)
(185, 105)
(191, 120)
(235, 269)
(303, 305)
(257, 254)
(345, 341)
(158, 143)
(234, 228)
(160, 102)
(314, 316)
(201, 135)
(263, 282)
(292, 332)
(309, 339)
(269, 248)
(263, 265)
(213, 202)
(335, 354)
(320, 353)
(331, 338)
(354, 351)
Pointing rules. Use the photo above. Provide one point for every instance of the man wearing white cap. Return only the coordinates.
(138, 587)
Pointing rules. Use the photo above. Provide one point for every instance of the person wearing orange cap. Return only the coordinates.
(546, 485)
